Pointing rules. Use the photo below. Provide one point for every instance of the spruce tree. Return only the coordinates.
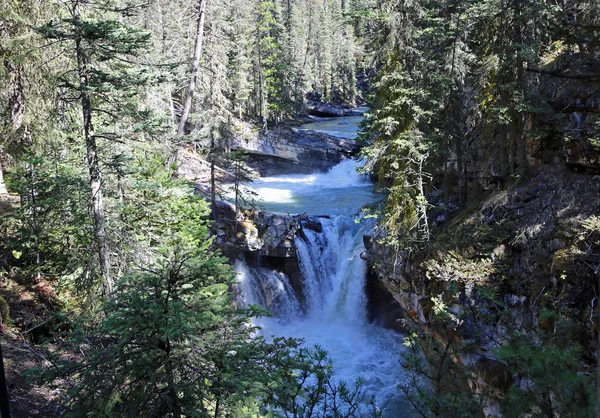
(106, 84)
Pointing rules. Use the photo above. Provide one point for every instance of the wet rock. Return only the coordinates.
(285, 150)
(313, 224)
(368, 242)
(382, 308)
(278, 233)
(288, 266)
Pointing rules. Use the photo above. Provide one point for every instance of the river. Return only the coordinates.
(333, 314)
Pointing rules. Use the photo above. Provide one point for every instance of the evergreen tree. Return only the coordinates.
(105, 84)
(169, 330)
(268, 66)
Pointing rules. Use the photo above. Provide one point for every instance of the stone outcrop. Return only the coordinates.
(325, 109)
(579, 102)
(281, 150)
(284, 150)
(259, 233)
(192, 167)
(264, 239)
(531, 247)
(330, 110)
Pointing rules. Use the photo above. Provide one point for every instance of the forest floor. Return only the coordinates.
(7, 203)
(27, 399)
(29, 313)
(31, 303)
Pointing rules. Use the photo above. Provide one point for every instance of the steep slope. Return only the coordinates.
(509, 292)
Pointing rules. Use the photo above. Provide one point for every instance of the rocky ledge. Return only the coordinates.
(317, 108)
(284, 150)
(260, 234)
(264, 239)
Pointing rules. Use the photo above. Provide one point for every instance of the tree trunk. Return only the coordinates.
(521, 135)
(423, 223)
(2, 183)
(93, 162)
(17, 99)
(187, 107)
(213, 181)
(4, 399)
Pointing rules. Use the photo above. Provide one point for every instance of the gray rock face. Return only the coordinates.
(530, 239)
(284, 151)
(325, 109)
(259, 233)
(268, 239)
(192, 167)
(278, 234)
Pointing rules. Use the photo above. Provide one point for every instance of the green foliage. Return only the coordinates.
(550, 369)
(435, 384)
(170, 337)
(307, 388)
(50, 229)
(156, 352)
(115, 80)
(171, 344)
(396, 154)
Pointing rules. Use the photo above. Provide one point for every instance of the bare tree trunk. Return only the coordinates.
(16, 104)
(261, 89)
(32, 197)
(17, 99)
(423, 223)
(187, 107)
(93, 162)
(213, 181)
(2, 183)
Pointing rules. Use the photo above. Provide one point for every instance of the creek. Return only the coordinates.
(332, 310)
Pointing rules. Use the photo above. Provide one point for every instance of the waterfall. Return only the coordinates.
(333, 272)
(331, 311)
(333, 277)
(268, 288)
(333, 314)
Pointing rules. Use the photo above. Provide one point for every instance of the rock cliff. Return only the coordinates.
(285, 150)
(524, 262)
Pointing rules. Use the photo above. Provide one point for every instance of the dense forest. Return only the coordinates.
(482, 136)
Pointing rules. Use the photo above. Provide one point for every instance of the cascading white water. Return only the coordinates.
(268, 288)
(333, 271)
(334, 315)
(341, 191)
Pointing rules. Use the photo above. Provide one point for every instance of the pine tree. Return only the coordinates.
(398, 155)
(155, 353)
(267, 62)
(105, 84)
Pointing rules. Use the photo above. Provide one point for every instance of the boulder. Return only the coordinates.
(313, 224)
(259, 233)
(324, 109)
